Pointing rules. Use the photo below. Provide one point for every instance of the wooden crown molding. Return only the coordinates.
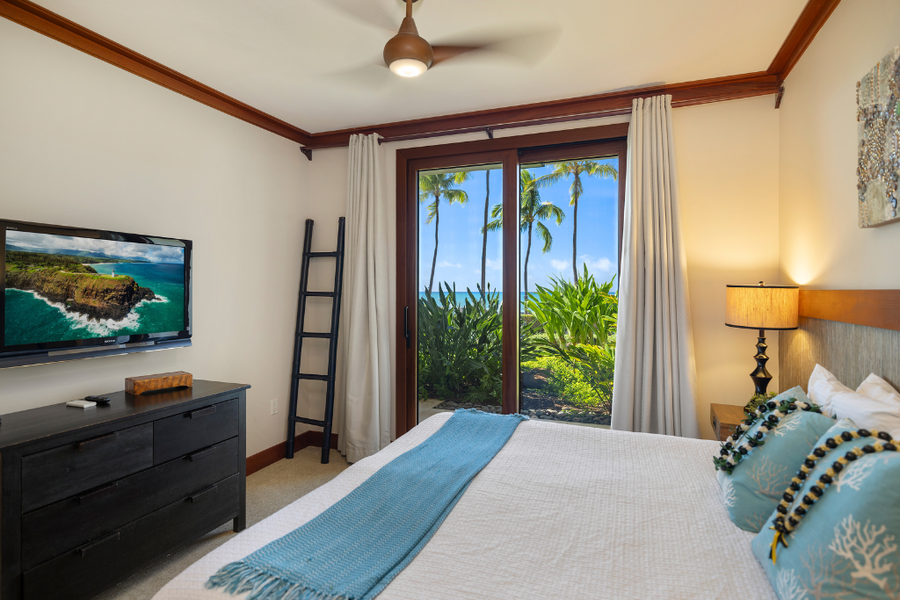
(808, 24)
(872, 308)
(690, 93)
(72, 34)
(600, 105)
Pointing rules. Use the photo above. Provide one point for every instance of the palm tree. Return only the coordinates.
(484, 230)
(531, 212)
(575, 169)
(434, 187)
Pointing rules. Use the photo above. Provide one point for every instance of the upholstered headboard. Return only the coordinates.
(849, 332)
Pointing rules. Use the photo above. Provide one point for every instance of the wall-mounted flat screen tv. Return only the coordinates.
(73, 293)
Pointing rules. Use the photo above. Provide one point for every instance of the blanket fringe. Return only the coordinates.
(240, 578)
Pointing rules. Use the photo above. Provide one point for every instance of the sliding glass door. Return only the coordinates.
(507, 264)
(459, 333)
(569, 248)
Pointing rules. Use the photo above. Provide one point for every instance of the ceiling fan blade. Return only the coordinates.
(529, 47)
(442, 53)
(370, 76)
(368, 12)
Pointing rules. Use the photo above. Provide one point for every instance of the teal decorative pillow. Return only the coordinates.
(840, 520)
(757, 463)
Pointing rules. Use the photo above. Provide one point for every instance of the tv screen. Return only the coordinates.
(67, 288)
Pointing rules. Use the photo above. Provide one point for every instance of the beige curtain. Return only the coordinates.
(654, 387)
(365, 417)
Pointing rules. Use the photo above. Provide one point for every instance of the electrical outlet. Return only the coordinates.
(274, 406)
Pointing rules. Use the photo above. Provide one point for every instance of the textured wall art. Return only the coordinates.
(878, 116)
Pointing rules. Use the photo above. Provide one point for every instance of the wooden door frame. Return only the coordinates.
(501, 150)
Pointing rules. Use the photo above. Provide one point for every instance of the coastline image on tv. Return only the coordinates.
(63, 288)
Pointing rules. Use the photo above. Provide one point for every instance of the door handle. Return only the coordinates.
(406, 327)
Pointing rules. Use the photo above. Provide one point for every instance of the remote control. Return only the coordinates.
(98, 399)
(81, 404)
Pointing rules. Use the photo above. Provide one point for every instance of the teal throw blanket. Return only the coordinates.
(356, 547)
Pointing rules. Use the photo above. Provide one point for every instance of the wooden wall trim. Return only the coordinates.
(272, 455)
(811, 20)
(872, 308)
(52, 25)
(600, 105)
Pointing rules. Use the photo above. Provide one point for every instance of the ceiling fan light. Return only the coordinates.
(408, 67)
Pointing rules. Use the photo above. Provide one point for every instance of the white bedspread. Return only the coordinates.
(561, 512)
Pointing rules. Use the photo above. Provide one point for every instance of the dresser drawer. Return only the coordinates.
(54, 529)
(91, 568)
(68, 470)
(195, 429)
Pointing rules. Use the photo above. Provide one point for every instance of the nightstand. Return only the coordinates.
(724, 418)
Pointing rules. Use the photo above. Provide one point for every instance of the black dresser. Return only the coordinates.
(91, 496)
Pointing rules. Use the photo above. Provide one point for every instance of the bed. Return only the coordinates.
(562, 511)
(578, 512)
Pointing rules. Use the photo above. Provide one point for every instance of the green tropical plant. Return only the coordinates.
(531, 212)
(460, 345)
(576, 169)
(568, 383)
(577, 322)
(434, 187)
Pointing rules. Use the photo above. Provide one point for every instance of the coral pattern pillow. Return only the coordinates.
(846, 545)
(757, 482)
(839, 401)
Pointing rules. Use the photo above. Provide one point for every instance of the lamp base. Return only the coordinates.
(761, 377)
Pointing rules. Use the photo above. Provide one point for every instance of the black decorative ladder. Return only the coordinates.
(331, 336)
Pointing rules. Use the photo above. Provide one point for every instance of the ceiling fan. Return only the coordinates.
(409, 55)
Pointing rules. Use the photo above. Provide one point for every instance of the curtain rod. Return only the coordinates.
(490, 129)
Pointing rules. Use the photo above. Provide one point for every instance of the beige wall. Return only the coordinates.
(821, 243)
(728, 168)
(84, 143)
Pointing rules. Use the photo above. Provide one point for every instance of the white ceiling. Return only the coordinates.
(315, 63)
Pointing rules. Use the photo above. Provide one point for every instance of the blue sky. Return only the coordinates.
(459, 247)
(48, 244)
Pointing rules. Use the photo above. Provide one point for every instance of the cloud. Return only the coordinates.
(601, 264)
(559, 265)
(445, 263)
(494, 265)
(50, 244)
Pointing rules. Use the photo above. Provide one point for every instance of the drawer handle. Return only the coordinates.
(201, 493)
(203, 412)
(201, 454)
(96, 495)
(98, 442)
(114, 536)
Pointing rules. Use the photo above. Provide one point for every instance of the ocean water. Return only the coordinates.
(461, 296)
(31, 319)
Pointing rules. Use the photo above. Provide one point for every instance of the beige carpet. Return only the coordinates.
(268, 491)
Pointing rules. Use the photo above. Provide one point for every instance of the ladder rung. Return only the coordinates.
(310, 334)
(321, 294)
(314, 376)
(322, 254)
(309, 421)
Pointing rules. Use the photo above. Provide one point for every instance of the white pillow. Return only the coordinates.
(839, 401)
(877, 388)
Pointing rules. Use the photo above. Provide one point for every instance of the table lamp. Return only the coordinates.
(761, 307)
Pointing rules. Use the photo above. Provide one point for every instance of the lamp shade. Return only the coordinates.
(762, 306)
